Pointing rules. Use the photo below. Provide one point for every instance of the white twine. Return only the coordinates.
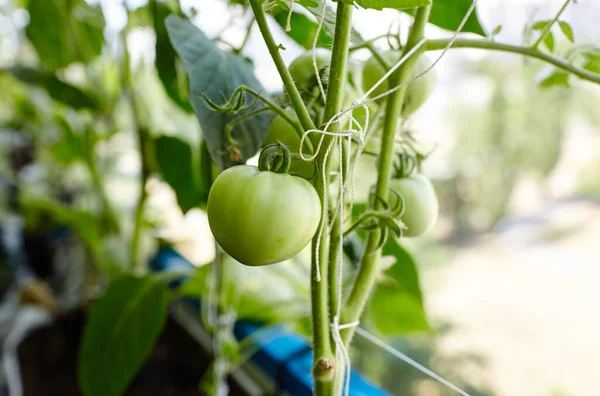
(388, 348)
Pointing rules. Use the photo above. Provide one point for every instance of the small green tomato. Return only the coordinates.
(421, 203)
(303, 71)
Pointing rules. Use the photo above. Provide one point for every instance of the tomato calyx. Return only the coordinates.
(275, 158)
(405, 165)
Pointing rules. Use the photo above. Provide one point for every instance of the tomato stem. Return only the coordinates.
(369, 266)
(288, 82)
(319, 289)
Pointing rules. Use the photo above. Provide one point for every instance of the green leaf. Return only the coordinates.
(217, 74)
(567, 30)
(559, 78)
(397, 303)
(65, 31)
(496, 31)
(592, 54)
(303, 30)
(540, 25)
(593, 66)
(170, 69)
(448, 14)
(549, 41)
(176, 164)
(56, 88)
(71, 146)
(396, 4)
(140, 17)
(120, 334)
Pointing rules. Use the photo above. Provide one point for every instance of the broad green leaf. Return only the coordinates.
(396, 306)
(567, 30)
(448, 15)
(303, 30)
(170, 69)
(556, 78)
(65, 31)
(56, 88)
(217, 74)
(396, 4)
(175, 162)
(120, 333)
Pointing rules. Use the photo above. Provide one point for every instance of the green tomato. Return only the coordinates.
(417, 92)
(281, 130)
(421, 203)
(261, 218)
(303, 70)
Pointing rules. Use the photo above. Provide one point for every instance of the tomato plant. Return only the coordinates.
(418, 91)
(262, 217)
(267, 214)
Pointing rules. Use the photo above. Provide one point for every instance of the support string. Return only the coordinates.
(388, 348)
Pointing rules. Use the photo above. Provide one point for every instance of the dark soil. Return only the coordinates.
(48, 360)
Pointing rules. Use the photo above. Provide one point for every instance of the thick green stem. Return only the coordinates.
(286, 77)
(324, 354)
(369, 267)
(434, 45)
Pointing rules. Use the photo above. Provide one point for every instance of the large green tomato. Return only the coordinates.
(417, 92)
(261, 218)
(303, 70)
(421, 203)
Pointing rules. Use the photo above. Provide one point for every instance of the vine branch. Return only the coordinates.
(434, 45)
